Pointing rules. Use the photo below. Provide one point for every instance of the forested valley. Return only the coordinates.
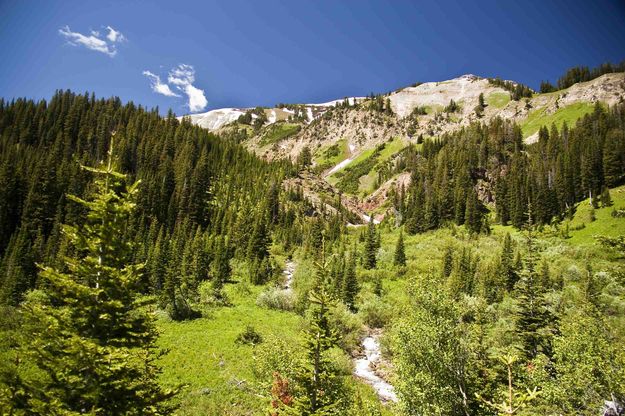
(149, 266)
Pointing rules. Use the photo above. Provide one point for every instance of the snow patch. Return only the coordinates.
(368, 219)
(339, 166)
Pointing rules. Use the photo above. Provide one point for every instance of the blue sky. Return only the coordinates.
(238, 54)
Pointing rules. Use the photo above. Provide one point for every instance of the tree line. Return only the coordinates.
(581, 74)
(460, 177)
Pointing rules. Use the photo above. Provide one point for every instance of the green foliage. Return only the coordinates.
(535, 323)
(517, 91)
(589, 364)
(399, 259)
(546, 87)
(371, 247)
(351, 286)
(249, 336)
(93, 338)
(431, 356)
(516, 401)
(330, 156)
(276, 298)
(323, 391)
(304, 159)
(370, 167)
(583, 73)
(277, 132)
(568, 114)
(452, 107)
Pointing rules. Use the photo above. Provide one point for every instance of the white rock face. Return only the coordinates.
(464, 89)
(215, 119)
(332, 103)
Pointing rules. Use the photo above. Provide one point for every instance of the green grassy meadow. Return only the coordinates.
(332, 155)
(277, 132)
(498, 99)
(217, 374)
(204, 358)
(360, 174)
(569, 114)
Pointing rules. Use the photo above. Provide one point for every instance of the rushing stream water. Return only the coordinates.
(364, 367)
(288, 275)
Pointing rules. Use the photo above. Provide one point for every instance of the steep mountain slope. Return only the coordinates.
(215, 119)
(420, 110)
(352, 140)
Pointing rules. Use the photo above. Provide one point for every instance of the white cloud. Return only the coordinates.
(182, 77)
(114, 35)
(94, 41)
(158, 86)
(197, 100)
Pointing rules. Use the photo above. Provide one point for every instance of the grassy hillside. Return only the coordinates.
(278, 132)
(218, 374)
(222, 377)
(332, 155)
(204, 357)
(498, 99)
(569, 114)
(359, 175)
(583, 229)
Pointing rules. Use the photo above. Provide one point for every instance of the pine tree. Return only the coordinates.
(304, 160)
(399, 258)
(370, 250)
(474, 213)
(350, 283)
(506, 268)
(613, 161)
(93, 336)
(258, 245)
(534, 319)
(606, 199)
(448, 262)
(324, 392)
(220, 267)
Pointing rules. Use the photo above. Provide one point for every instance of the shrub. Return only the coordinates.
(183, 311)
(276, 298)
(207, 296)
(249, 336)
(374, 312)
(275, 354)
(347, 325)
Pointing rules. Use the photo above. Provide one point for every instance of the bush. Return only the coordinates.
(208, 298)
(249, 336)
(183, 311)
(275, 354)
(374, 312)
(276, 298)
(340, 361)
(347, 325)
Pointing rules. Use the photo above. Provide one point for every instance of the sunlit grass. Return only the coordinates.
(539, 118)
